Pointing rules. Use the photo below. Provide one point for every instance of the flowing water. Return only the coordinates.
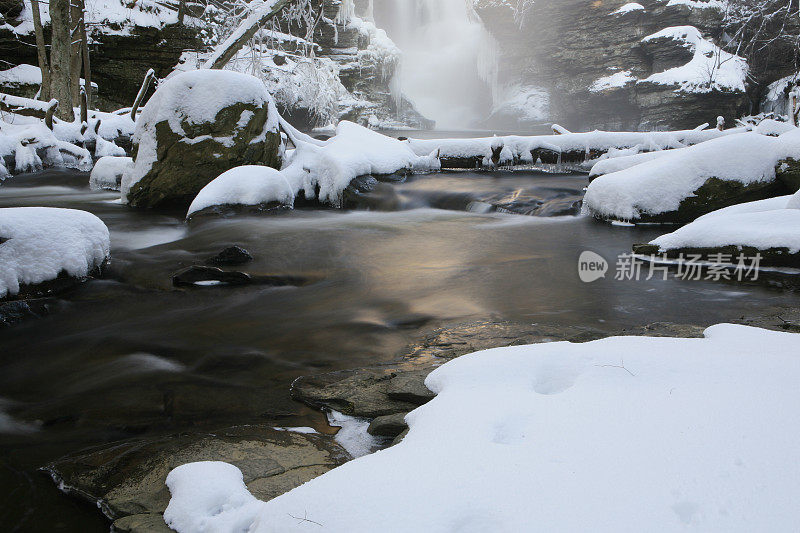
(102, 366)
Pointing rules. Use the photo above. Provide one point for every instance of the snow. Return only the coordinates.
(629, 8)
(353, 436)
(107, 172)
(21, 75)
(775, 99)
(320, 169)
(193, 97)
(777, 228)
(722, 5)
(38, 243)
(618, 79)
(710, 69)
(659, 185)
(246, 185)
(108, 17)
(607, 165)
(33, 146)
(258, 10)
(520, 146)
(620, 434)
(773, 127)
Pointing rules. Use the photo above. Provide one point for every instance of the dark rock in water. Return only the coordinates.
(126, 479)
(198, 275)
(788, 173)
(388, 426)
(232, 256)
(17, 311)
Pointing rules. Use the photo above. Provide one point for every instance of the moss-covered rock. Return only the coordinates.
(180, 145)
(788, 173)
(715, 194)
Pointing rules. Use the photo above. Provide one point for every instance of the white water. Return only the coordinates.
(449, 67)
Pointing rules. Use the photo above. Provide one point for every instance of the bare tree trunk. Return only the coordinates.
(87, 66)
(142, 92)
(60, 57)
(41, 50)
(75, 16)
(181, 11)
(262, 12)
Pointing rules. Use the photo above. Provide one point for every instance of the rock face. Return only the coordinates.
(127, 480)
(563, 47)
(214, 119)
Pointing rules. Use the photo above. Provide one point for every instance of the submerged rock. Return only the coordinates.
(126, 480)
(199, 275)
(195, 127)
(231, 256)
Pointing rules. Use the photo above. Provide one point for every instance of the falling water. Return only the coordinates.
(449, 67)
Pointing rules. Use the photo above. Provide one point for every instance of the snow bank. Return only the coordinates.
(771, 223)
(246, 185)
(710, 69)
(521, 147)
(660, 185)
(107, 172)
(620, 434)
(193, 97)
(38, 243)
(615, 164)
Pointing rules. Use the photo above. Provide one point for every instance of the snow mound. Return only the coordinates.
(612, 81)
(620, 434)
(771, 223)
(107, 172)
(661, 184)
(710, 69)
(608, 165)
(246, 185)
(38, 243)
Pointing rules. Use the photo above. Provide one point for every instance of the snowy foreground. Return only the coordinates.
(620, 434)
(39, 243)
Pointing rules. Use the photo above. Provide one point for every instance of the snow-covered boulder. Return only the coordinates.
(681, 185)
(43, 244)
(619, 434)
(197, 125)
(107, 172)
(770, 228)
(259, 187)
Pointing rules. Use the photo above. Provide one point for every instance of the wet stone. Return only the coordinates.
(232, 256)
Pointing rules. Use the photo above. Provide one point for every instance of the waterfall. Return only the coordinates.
(449, 66)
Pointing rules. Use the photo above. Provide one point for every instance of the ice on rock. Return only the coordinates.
(38, 243)
(620, 434)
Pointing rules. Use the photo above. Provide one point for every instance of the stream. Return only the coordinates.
(102, 366)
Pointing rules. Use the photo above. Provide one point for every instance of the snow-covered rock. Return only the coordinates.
(608, 165)
(620, 434)
(681, 185)
(197, 125)
(107, 172)
(710, 69)
(28, 145)
(37, 244)
(247, 185)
